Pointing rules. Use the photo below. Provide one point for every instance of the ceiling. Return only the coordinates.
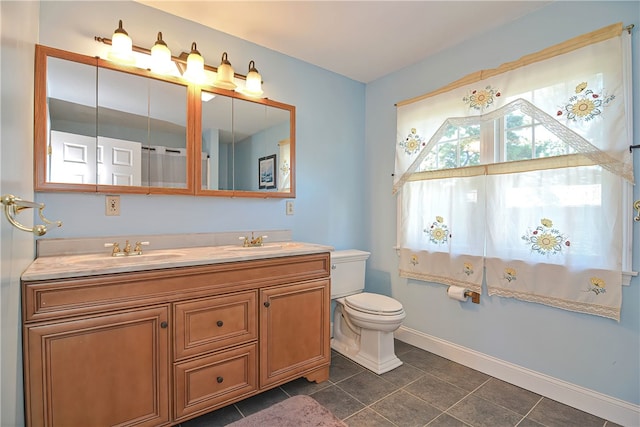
(362, 40)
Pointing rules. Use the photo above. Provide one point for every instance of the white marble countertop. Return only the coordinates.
(64, 266)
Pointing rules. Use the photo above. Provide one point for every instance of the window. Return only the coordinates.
(521, 179)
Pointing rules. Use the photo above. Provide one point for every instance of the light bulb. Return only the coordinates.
(160, 56)
(253, 87)
(121, 46)
(224, 77)
(195, 66)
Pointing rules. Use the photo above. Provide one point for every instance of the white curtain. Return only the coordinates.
(166, 167)
(547, 225)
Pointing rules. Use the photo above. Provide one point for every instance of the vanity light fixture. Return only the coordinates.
(195, 66)
(253, 86)
(189, 66)
(224, 77)
(121, 46)
(160, 56)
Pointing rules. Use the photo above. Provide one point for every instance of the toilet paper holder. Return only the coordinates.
(475, 296)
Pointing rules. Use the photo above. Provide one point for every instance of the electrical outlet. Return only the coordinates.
(112, 206)
(289, 209)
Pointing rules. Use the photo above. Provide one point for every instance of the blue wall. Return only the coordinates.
(329, 206)
(592, 352)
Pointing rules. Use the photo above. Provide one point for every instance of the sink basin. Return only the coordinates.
(103, 260)
(253, 248)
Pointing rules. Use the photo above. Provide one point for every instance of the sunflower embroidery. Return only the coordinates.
(510, 274)
(438, 232)
(468, 268)
(414, 259)
(585, 104)
(480, 99)
(412, 142)
(545, 239)
(597, 286)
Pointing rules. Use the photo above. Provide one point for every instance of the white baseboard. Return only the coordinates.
(598, 404)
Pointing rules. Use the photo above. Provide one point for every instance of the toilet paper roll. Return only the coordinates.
(457, 293)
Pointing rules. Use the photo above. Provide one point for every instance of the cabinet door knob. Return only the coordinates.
(219, 323)
(164, 325)
(219, 379)
(267, 304)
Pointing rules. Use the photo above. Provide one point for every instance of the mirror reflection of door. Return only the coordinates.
(71, 122)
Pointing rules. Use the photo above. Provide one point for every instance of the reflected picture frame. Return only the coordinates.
(267, 172)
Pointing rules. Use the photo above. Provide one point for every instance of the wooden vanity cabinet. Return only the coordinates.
(104, 370)
(159, 347)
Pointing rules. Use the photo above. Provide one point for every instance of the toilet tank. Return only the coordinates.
(347, 272)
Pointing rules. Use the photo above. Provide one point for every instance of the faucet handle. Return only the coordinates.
(138, 248)
(116, 248)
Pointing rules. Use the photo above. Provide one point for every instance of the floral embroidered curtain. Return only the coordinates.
(522, 173)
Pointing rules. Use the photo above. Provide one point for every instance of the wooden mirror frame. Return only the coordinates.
(193, 137)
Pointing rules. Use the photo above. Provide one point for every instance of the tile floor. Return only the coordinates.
(427, 390)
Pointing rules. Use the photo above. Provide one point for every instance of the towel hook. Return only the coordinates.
(13, 205)
(636, 206)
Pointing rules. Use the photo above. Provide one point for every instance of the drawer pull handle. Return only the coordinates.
(219, 379)
(219, 323)
(164, 325)
(267, 304)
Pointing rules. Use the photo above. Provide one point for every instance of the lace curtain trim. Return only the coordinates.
(440, 279)
(575, 141)
(588, 308)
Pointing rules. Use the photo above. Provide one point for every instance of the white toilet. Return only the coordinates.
(363, 323)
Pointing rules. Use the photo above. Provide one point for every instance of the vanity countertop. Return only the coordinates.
(64, 266)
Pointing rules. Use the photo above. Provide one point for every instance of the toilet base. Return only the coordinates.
(376, 351)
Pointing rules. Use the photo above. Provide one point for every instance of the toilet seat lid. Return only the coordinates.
(373, 303)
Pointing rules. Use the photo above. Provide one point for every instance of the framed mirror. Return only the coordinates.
(103, 127)
(246, 146)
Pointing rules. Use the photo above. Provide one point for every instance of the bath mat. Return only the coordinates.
(297, 411)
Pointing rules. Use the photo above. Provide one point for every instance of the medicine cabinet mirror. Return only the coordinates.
(101, 127)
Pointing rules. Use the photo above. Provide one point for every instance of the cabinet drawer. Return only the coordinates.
(211, 324)
(205, 383)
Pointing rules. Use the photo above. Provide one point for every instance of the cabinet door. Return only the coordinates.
(294, 331)
(99, 371)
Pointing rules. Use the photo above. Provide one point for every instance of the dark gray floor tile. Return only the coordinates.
(459, 375)
(551, 413)
(338, 402)
(302, 386)
(402, 347)
(436, 392)
(423, 359)
(261, 401)
(446, 420)
(342, 368)
(481, 413)
(368, 418)
(508, 395)
(528, 422)
(218, 418)
(406, 410)
(367, 387)
(403, 375)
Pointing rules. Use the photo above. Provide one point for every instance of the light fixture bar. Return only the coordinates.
(181, 59)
